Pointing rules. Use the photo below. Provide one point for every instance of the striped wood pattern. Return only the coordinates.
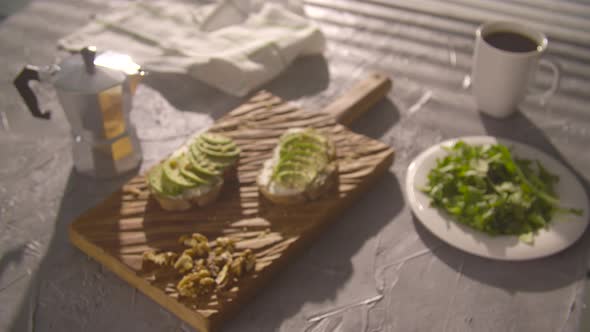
(120, 229)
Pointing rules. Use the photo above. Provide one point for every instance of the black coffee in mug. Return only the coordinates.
(511, 41)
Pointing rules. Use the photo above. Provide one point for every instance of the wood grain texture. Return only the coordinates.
(362, 96)
(120, 229)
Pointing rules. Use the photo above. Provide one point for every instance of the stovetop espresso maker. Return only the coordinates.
(95, 91)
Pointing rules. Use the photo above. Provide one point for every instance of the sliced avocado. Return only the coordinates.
(303, 149)
(303, 143)
(307, 162)
(200, 164)
(216, 139)
(194, 177)
(224, 151)
(302, 156)
(172, 181)
(303, 137)
(319, 160)
(309, 171)
(222, 163)
(307, 135)
(185, 171)
(201, 159)
(312, 145)
(211, 154)
(298, 151)
(155, 179)
(292, 179)
(216, 146)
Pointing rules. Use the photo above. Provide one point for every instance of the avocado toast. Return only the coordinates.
(302, 168)
(195, 174)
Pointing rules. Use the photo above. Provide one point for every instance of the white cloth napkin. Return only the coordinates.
(234, 46)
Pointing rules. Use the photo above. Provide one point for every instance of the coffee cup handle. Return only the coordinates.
(548, 93)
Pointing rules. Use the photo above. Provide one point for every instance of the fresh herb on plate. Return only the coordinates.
(485, 187)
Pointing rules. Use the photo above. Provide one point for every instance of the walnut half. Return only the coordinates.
(153, 260)
(195, 284)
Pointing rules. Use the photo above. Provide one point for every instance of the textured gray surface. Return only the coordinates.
(375, 248)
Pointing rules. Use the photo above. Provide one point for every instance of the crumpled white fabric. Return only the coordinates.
(235, 46)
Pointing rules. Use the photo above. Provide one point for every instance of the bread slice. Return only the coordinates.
(305, 159)
(168, 201)
(191, 176)
(205, 196)
(190, 197)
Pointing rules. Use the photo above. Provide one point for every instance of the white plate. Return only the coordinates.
(563, 231)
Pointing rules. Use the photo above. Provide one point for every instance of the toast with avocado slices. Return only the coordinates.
(302, 168)
(194, 175)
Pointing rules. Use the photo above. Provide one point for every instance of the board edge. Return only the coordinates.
(194, 318)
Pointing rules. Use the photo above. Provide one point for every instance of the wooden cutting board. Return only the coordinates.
(117, 231)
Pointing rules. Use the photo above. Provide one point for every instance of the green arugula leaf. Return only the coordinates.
(485, 187)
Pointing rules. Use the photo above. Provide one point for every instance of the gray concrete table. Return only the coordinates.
(376, 248)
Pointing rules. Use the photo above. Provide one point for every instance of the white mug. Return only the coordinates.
(500, 77)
